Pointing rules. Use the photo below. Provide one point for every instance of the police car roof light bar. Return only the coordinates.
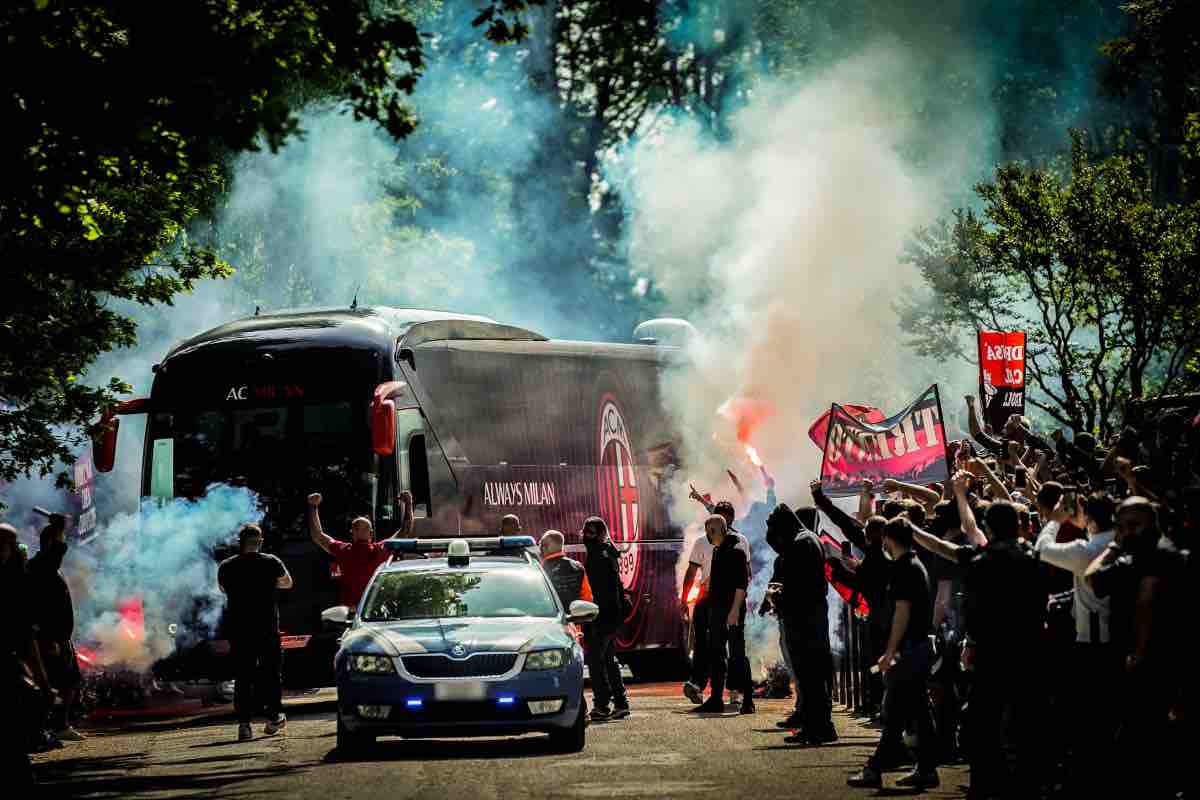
(477, 545)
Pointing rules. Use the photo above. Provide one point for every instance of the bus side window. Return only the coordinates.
(419, 475)
(414, 463)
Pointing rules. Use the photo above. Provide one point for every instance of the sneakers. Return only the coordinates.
(712, 705)
(747, 706)
(69, 734)
(244, 732)
(275, 726)
(692, 692)
(600, 714)
(620, 712)
(920, 780)
(735, 698)
(867, 779)
(794, 722)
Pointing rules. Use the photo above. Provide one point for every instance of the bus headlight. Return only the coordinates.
(373, 665)
(546, 659)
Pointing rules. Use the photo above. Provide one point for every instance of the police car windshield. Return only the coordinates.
(427, 594)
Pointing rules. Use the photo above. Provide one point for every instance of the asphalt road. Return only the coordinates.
(660, 751)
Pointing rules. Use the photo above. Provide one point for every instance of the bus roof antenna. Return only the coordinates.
(354, 302)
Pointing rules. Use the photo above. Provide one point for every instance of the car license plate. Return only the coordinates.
(459, 691)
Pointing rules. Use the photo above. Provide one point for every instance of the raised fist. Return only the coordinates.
(314, 499)
(815, 487)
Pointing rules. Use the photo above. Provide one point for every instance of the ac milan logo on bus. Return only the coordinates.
(620, 498)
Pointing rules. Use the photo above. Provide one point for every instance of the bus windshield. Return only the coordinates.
(282, 452)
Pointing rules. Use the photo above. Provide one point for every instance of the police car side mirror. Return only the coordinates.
(582, 611)
(338, 615)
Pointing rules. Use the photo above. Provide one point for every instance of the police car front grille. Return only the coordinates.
(482, 665)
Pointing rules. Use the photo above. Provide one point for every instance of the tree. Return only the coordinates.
(1155, 66)
(120, 119)
(1100, 277)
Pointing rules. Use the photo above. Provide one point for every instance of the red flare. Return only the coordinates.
(754, 457)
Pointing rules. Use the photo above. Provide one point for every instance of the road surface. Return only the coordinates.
(660, 751)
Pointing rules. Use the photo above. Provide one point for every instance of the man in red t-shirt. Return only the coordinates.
(358, 558)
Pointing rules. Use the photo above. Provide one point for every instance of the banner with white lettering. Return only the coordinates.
(1001, 375)
(909, 446)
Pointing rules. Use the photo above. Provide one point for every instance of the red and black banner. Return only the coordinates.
(1001, 376)
(909, 446)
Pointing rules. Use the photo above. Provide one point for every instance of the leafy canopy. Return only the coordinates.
(120, 119)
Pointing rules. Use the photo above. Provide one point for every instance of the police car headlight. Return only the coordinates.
(371, 664)
(546, 659)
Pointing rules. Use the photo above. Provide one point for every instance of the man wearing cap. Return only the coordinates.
(250, 581)
(357, 559)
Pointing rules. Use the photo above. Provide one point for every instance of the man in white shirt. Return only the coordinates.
(1097, 664)
(700, 565)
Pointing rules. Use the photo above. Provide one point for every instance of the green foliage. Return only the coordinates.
(1100, 277)
(119, 122)
(1155, 66)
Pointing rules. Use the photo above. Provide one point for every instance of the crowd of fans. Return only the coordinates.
(1054, 606)
(41, 669)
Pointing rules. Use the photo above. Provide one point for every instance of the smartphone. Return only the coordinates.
(1019, 478)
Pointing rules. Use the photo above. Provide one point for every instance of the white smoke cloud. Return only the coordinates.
(162, 555)
(782, 245)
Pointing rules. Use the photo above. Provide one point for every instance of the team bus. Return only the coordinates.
(475, 418)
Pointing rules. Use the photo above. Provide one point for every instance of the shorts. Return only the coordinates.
(62, 669)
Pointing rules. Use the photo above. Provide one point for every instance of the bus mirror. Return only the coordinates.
(383, 417)
(104, 448)
(383, 426)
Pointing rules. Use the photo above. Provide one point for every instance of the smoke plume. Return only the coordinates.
(151, 578)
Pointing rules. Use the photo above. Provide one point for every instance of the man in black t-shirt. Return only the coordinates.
(727, 584)
(905, 666)
(250, 580)
(1005, 618)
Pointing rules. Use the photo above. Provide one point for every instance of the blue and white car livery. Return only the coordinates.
(473, 644)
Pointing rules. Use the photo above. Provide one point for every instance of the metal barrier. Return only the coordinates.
(851, 677)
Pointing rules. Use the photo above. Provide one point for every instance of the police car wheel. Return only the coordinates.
(573, 739)
(349, 743)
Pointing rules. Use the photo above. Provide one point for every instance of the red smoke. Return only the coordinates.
(746, 413)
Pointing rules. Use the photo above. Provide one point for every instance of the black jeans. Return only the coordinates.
(1004, 715)
(732, 671)
(607, 686)
(812, 660)
(738, 675)
(257, 661)
(21, 714)
(700, 645)
(905, 698)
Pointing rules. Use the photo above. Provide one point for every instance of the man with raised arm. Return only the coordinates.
(357, 559)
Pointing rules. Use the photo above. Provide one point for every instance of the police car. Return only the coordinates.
(470, 641)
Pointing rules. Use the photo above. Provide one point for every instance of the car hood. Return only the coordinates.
(474, 634)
